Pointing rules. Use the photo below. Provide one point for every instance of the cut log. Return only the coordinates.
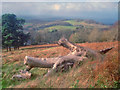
(40, 62)
(49, 62)
(54, 63)
(77, 54)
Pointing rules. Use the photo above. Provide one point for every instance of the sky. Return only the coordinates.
(105, 12)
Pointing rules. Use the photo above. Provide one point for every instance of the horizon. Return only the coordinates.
(103, 12)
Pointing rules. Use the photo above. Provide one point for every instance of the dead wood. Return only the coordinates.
(105, 50)
(77, 54)
(22, 75)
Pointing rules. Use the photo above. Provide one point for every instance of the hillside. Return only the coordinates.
(75, 23)
(90, 74)
(76, 30)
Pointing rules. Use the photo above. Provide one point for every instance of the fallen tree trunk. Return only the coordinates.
(77, 54)
(40, 62)
(50, 62)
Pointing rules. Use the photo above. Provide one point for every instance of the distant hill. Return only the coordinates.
(77, 30)
(32, 25)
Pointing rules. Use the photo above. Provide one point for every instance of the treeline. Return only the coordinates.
(79, 35)
(94, 36)
(12, 32)
(44, 37)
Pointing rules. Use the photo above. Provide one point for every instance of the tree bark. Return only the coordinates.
(9, 48)
(14, 47)
(50, 62)
(77, 54)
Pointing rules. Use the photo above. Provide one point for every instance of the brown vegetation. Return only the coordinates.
(104, 74)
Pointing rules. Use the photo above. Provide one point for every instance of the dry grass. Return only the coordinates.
(88, 74)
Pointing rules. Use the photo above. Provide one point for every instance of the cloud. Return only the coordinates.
(102, 0)
(91, 6)
(27, 8)
(56, 7)
(60, 0)
(106, 11)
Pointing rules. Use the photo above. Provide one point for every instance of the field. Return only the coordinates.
(74, 30)
(66, 24)
(89, 74)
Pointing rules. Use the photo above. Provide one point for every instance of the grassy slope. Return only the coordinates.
(62, 27)
(74, 23)
(88, 74)
(93, 25)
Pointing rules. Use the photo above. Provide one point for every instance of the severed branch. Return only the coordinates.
(105, 50)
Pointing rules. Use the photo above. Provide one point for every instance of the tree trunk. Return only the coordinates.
(9, 48)
(18, 47)
(14, 47)
(77, 54)
(49, 62)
